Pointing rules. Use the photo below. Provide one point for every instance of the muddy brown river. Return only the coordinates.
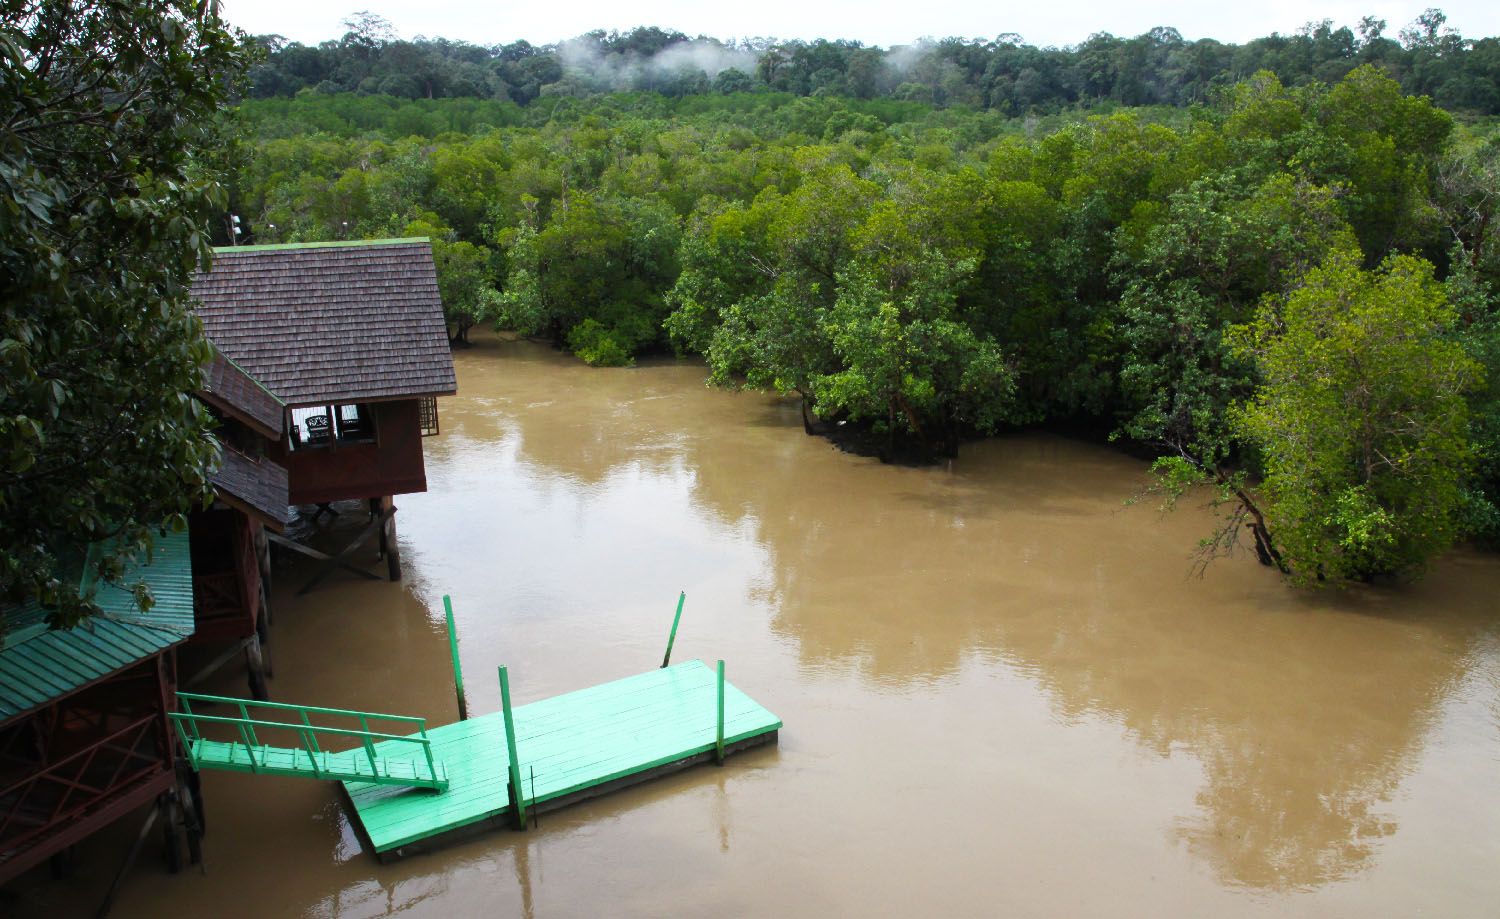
(1002, 694)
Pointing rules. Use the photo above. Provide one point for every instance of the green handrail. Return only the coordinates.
(293, 726)
(189, 730)
(288, 707)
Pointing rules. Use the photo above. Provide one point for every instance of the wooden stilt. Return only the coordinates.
(330, 561)
(216, 663)
(388, 537)
(188, 777)
(171, 832)
(62, 863)
(375, 512)
(263, 557)
(256, 668)
(263, 633)
(189, 799)
(135, 850)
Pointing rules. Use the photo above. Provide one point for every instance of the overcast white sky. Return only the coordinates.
(1062, 22)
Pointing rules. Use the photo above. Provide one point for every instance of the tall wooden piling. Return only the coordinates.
(719, 744)
(666, 658)
(458, 673)
(518, 799)
(388, 544)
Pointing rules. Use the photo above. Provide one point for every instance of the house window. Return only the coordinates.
(332, 425)
(427, 415)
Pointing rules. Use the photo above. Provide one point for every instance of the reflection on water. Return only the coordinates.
(1001, 692)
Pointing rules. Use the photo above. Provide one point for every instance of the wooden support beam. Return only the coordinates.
(135, 849)
(216, 663)
(332, 561)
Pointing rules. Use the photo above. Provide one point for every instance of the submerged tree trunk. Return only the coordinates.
(460, 337)
(1265, 548)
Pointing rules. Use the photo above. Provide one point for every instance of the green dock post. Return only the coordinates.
(719, 746)
(458, 673)
(673, 637)
(517, 796)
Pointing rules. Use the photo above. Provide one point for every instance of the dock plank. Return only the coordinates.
(574, 743)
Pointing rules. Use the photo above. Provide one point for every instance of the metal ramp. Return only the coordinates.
(403, 759)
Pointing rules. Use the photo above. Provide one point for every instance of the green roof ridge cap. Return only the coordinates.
(224, 250)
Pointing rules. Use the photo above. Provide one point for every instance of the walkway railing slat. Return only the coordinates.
(309, 758)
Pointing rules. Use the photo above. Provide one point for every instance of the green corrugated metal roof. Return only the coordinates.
(38, 664)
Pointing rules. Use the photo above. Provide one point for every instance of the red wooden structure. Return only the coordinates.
(84, 733)
(350, 338)
(231, 558)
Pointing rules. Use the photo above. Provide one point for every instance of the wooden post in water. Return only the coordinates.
(458, 673)
(673, 637)
(388, 537)
(517, 797)
(719, 746)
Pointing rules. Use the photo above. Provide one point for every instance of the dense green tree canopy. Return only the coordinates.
(922, 274)
(107, 113)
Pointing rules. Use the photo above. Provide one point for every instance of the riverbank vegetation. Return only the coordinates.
(921, 273)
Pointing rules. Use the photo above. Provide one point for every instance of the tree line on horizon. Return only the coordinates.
(1159, 67)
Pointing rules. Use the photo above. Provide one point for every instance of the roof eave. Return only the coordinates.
(244, 417)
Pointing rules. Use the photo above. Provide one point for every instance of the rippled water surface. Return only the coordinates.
(1002, 694)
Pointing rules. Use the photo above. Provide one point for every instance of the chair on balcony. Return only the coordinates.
(318, 429)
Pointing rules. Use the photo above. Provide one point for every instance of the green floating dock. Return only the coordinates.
(569, 748)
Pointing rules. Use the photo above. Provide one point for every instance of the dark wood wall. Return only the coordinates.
(390, 466)
(226, 574)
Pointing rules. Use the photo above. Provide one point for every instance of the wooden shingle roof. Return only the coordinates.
(255, 485)
(233, 391)
(330, 322)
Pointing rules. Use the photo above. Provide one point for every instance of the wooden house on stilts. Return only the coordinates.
(350, 338)
(230, 549)
(84, 733)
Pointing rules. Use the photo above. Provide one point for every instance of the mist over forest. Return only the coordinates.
(1005, 74)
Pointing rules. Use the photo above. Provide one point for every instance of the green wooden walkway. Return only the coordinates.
(569, 748)
(379, 757)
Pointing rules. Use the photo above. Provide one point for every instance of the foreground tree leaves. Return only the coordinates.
(105, 108)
